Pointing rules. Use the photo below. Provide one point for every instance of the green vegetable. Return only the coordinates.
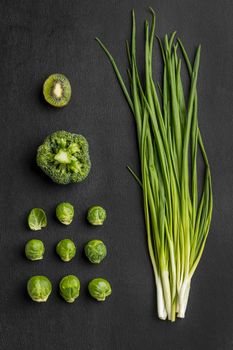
(66, 249)
(39, 288)
(57, 90)
(69, 288)
(95, 251)
(99, 288)
(34, 249)
(96, 215)
(37, 219)
(64, 157)
(65, 213)
(177, 208)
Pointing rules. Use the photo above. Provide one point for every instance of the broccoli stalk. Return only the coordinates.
(64, 157)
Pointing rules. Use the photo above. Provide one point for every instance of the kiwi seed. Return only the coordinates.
(57, 90)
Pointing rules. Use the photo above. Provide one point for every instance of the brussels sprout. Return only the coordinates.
(65, 213)
(96, 215)
(66, 249)
(95, 251)
(69, 288)
(39, 288)
(37, 219)
(34, 249)
(99, 288)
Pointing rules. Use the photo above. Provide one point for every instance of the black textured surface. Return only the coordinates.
(38, 38)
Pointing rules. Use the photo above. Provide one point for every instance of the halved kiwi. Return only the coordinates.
(57, 90)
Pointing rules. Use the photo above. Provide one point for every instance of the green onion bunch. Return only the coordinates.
(177, 208)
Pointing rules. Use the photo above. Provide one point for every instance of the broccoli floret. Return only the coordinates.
(64, 157)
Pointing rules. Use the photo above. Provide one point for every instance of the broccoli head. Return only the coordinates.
(64, 157)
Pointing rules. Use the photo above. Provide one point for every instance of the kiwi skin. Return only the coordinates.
(57, 90)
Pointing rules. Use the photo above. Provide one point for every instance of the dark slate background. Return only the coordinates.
(38, 38)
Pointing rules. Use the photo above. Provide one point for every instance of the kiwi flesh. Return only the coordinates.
(57, 90)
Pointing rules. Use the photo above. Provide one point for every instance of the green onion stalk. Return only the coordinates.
(177, 208)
